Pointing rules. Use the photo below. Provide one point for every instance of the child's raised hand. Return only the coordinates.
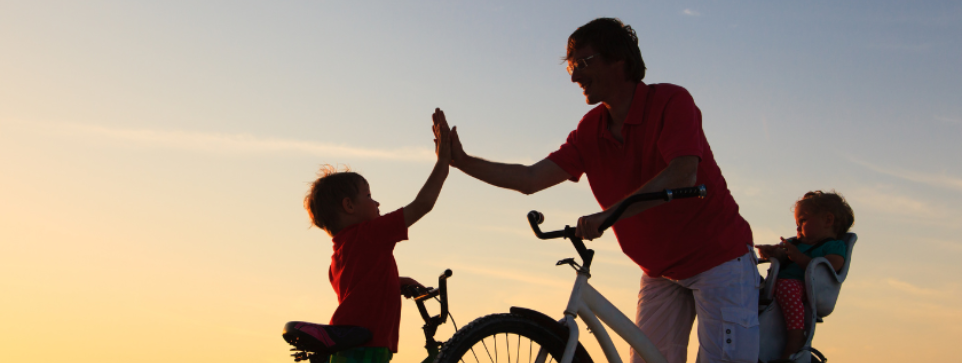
(442, 138)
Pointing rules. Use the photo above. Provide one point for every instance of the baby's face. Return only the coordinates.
(366, 207)
(813, 227)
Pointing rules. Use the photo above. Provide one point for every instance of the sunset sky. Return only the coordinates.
(154, 156)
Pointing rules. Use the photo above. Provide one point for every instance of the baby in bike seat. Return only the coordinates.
(822, 219)
(363, 271)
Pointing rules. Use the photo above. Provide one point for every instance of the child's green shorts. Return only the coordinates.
(363, 355)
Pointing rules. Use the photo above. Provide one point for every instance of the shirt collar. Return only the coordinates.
(637, 110)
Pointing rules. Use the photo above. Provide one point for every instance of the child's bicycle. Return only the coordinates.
(316, 343)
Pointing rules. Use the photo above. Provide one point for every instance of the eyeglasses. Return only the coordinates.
(579, 64)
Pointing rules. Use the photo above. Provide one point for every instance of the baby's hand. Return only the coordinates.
(442, 139)
(788, 247)
(771, 251)
(765, 251)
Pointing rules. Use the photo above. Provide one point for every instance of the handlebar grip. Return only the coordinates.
(447, 273)
(667, 195)
(690, 192)
(535, 217)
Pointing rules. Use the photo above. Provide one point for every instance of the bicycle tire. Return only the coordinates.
(503, 338)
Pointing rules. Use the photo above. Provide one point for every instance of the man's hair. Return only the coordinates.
(818, 202)
(614, 41)
(323, 202)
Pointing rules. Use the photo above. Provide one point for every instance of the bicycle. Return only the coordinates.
(558, 340)
(317, 342)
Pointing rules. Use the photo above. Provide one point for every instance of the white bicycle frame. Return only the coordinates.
(590, 305)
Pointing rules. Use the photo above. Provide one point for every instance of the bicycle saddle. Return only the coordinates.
(324, 339)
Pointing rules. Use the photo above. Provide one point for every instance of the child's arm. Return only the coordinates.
(429, 193)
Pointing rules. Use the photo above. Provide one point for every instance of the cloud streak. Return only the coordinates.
(936, 180)
(239, 143)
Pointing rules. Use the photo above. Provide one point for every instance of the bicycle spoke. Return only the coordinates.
(487, 350)
(507, 347)
(517, 357)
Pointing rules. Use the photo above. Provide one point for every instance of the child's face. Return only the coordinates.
(364, 205)
(813, 227)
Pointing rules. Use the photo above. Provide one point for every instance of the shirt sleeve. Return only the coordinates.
(836, 247)
(568, 157)
(681, 133)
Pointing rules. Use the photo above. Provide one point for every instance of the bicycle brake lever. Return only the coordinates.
(569, 261)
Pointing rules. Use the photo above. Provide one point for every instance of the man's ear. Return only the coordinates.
(830, 219)
(347, 205)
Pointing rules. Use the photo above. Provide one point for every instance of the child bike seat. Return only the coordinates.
(324, 339)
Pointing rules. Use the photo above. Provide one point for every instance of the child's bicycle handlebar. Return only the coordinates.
(535, 218)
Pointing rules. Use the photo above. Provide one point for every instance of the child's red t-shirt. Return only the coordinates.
(365, 277)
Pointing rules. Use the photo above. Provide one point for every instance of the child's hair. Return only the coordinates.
(323, 202)
(821, 202)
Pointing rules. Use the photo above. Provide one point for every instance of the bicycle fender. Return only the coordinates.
(554, 326)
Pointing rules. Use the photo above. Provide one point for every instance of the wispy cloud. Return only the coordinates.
(515, 275)
(690, 12)
(936, 180)
(882, 199)
(948, 120)
(901, 47)
(917, 291)
(238, 143)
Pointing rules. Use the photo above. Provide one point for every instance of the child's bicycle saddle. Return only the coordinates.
(322, 340)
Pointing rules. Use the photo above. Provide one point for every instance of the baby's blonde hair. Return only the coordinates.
(818, 202)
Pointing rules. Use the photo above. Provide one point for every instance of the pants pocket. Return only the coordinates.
(740, 332)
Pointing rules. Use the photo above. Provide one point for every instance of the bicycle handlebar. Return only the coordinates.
(535, 218)
(667, 194)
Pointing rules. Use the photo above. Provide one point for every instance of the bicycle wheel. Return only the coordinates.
(507, 338)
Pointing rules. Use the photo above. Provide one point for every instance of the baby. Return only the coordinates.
(822, 219)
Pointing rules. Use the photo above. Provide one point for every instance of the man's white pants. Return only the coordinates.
(725, 299)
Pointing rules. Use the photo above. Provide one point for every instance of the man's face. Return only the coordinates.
(597, 78)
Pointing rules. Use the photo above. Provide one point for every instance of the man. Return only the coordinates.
(696, 254)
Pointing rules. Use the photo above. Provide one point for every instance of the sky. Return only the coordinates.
(154, 157)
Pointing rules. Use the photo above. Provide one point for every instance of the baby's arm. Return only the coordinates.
(429, 193)
(802, 259)
(769, 252)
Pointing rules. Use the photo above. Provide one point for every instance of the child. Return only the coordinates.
(363, 271)
(822, 219)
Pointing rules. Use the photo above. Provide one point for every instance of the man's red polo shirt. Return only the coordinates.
(678, 239)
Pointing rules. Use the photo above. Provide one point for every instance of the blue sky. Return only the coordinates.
(154, 156)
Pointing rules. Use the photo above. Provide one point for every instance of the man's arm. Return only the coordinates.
(681, 172)
(429, 193)
(527, 179)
